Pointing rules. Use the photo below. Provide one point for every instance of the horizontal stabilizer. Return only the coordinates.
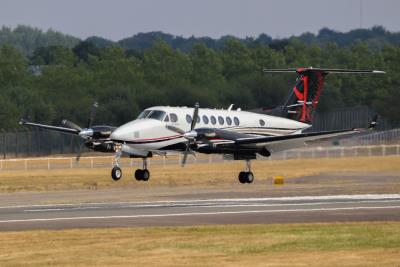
(324, 70)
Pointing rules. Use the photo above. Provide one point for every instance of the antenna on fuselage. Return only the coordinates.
(230, 107)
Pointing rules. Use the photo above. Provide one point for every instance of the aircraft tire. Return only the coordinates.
(242, 177)
(116, 173)
(145, 175)
(249, 177)
(138, 175)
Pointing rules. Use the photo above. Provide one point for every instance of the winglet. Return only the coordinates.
(373, 123)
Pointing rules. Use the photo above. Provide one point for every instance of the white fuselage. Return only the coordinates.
(149, 133)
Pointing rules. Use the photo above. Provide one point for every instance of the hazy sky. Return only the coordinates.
(122, 18)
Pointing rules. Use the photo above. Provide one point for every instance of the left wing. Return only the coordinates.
(280, 143)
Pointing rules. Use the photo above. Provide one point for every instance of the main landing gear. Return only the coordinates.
(246, 176)
(142, 174)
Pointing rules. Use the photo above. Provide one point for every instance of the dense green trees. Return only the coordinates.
(67, 79)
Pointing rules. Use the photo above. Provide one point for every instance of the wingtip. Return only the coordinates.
(373, 123)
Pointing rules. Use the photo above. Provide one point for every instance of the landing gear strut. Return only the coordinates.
(142, 174)
(116, 172)
(246, 176)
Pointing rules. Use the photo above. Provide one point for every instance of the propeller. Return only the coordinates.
(72, 125)
(85, 133)
(92, 115)
(190, 136)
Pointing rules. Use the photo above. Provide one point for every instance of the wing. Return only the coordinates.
(280, 143)
(49, 127)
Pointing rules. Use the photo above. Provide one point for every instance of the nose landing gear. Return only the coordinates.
(116, 172)
(246, 176)
(142, 174)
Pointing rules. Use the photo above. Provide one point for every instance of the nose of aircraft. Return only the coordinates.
(117, 134)
(132, 130)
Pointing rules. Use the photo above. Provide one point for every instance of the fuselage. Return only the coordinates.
(148, 132)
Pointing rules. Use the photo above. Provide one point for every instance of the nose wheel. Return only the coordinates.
(116, 173)
(246, 177)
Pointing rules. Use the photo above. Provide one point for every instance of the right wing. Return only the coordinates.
(49, 127)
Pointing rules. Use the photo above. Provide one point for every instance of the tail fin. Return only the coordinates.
(303, 99)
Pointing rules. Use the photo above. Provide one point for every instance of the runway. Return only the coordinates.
(328, 208)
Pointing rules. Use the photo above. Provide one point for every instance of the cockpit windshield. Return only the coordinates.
(157, 115)
(152, 114)
(144, 114)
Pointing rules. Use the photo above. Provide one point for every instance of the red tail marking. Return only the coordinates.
(305, 92)
(298, 94)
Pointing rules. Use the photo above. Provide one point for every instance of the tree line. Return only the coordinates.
(62, 81)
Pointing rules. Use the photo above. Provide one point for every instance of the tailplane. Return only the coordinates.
(304, 98)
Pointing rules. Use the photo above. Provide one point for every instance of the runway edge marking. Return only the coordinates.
(326, 197)
(193, 214)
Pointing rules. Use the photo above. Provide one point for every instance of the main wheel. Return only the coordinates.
(145, 175)
(116, 173)
(242, 177)
(249, 177)
(138, 174)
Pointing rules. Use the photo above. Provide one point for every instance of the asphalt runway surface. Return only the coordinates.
(328, 208)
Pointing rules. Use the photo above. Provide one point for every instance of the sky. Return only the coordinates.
(117, 19)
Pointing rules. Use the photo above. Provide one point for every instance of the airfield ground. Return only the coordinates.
(198, 176)
(360, 236)
(347, 244)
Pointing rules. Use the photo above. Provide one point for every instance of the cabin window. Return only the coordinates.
(236, 121)
(166, 118)
(157, 115)
(228, 120)
(188, 118)
(205, 119)
(174, 117)
(213, 120)
(262, 122)
(221, 120)
(144, 114)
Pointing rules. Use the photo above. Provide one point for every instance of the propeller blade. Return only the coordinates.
(195, 116)
(92, 115)
(78, 155)
(175, 129)
(185, 154)
(72, 125)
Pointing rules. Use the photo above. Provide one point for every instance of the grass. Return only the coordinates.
(349, 244)
(199, 175)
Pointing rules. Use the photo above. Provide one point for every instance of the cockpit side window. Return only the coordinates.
(157, 115)
(174, 117)
(144, 114)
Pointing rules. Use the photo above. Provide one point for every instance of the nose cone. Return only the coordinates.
(133, 130)
(117, 135)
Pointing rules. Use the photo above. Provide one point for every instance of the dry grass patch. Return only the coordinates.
(203, 175)
(350, 244)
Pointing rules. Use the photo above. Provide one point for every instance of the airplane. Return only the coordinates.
(95, 137)
(237, 134)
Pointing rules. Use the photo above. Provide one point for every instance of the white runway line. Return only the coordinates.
(217, 205)
(192, 214)
(296, 198)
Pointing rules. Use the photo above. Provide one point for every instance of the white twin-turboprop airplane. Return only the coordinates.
(242, 135)
(237, 134)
